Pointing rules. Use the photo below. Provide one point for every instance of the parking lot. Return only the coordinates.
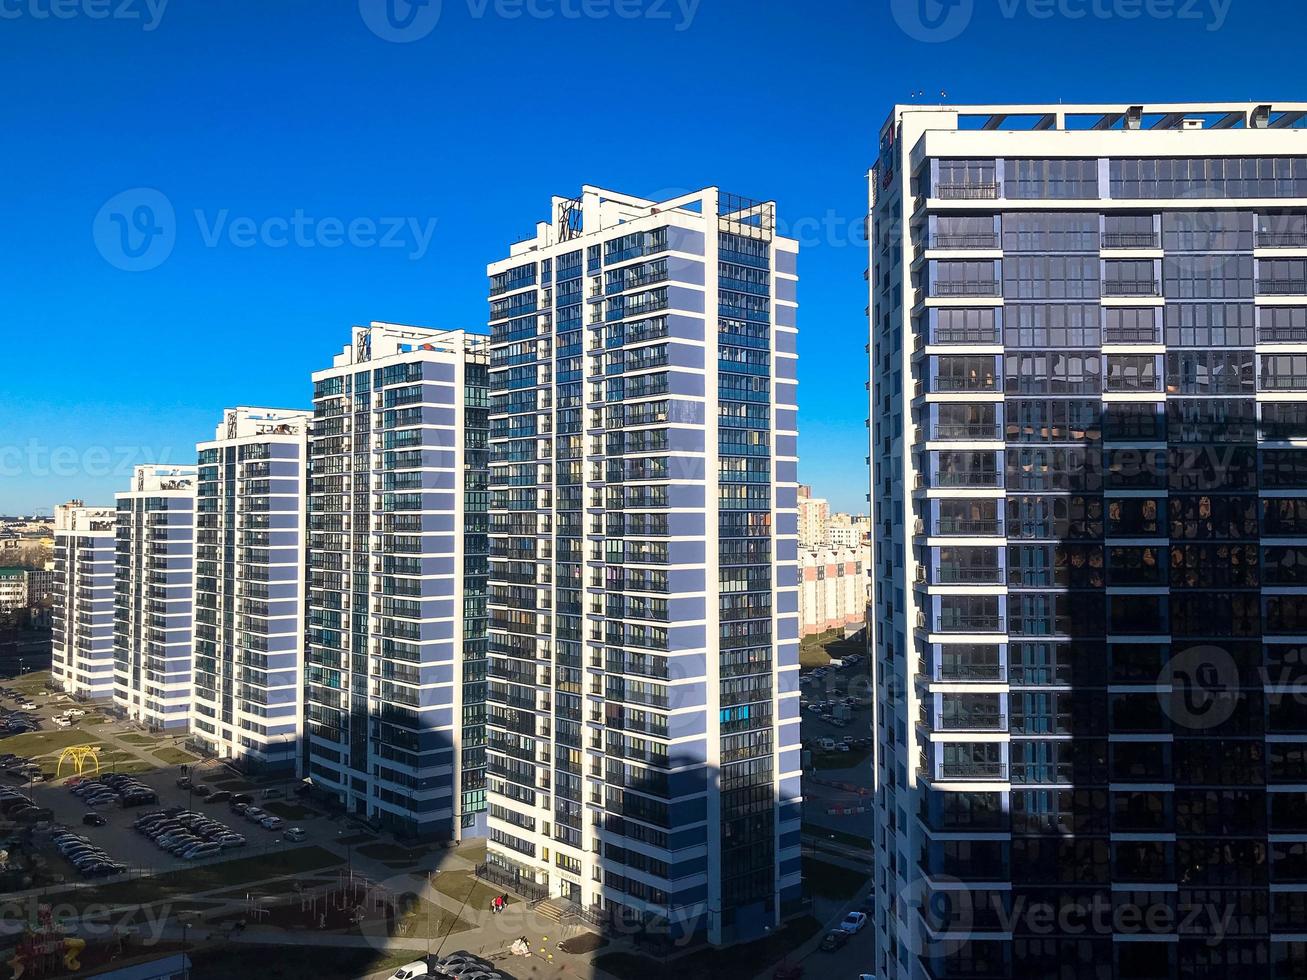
(837, 737)
(150, 772)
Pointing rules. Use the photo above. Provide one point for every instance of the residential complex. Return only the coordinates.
(154, 555)
(82, 627)
(814, 514)
(1088, 331)
(395, 652)
(13, 589)
(832, 588)
(249, 588)
(642, 717)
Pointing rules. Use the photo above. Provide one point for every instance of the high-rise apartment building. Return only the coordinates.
(832, 588)
(814, 513)
(643, 707)
(395, 659)
(1088, 332)
(154, 564)
(249, 588)
(81, 660)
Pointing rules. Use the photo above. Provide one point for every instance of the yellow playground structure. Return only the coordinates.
(80, 756)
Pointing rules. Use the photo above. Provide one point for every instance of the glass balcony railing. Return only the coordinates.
(973, 770)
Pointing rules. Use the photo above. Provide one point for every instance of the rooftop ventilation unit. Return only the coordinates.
(1191, 123)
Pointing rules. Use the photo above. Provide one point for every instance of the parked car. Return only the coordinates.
(222, 796)
(93, 820)
(242, 798)
(271, 823)
(853, 922)
(271, 794)
(411, 971)
(295, 834)
(201, 789)
(834, 940)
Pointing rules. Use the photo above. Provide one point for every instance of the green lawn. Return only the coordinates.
(840, 836)
(191, 881)
(382, 851)
(173, 756)
(745, 960)
(831, 880)
(287, 810)
(32, 744)
(465, 886)
(839, 760)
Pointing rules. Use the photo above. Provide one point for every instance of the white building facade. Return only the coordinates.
(395, 657)
(643, 729)
(250, 540)
(82, 653)
(154, 556)
(832, 588)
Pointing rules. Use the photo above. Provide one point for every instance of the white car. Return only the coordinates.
(410, 971)
(853, 922)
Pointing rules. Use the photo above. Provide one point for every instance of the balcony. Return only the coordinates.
(958, 525)
(1284, 382)
(973, 721)
(964, 432)
(1129, 287)
(967, 192)
(1282, 239)
(1133, 239)
(969, 673)
(1267, 334)
(1282, 287)
(965, 335)
(968, 575)
(973, 770)
(978, 240)
(958, 623)
(966, 287)
(1131, 335)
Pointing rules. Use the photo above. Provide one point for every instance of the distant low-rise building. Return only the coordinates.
(832, 588)
(13, 590)
(814, 512)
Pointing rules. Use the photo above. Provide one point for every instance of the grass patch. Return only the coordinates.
(33, 744)
(355, 839)
(840, 760)
(458, 884)
(234, 783)
(190, 881)
(391, 852)
(288, 811)
(30, 684)
(840, 836)
(297, 963)
(745, 960)
(173, 756)
(831, 880)
(136, 738)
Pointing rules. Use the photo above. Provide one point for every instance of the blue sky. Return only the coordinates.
(329, 162)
